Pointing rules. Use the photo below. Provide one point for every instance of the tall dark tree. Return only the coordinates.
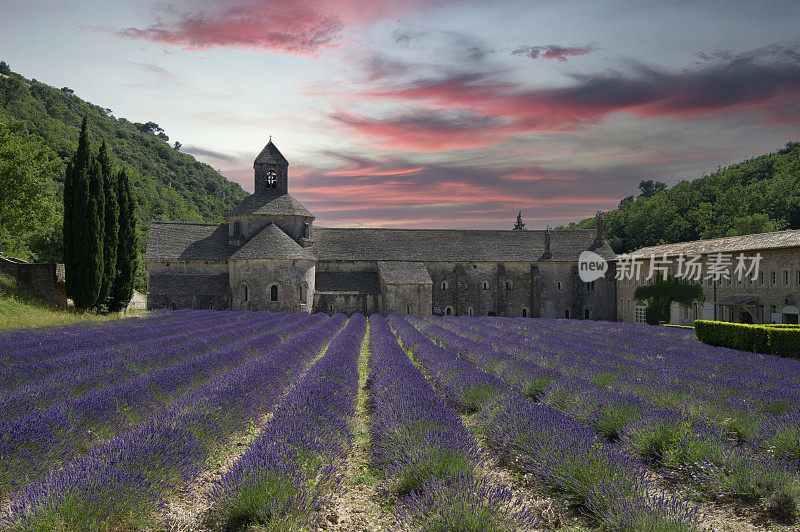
(74, 180)
(127, 258)
(86, 240)
(519, 225)
(110, 225)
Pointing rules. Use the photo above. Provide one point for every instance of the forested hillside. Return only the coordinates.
(757, 195)
(45, 121)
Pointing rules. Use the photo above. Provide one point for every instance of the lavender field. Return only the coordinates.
(203, 420)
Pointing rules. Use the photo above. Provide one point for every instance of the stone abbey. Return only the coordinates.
(269, 256)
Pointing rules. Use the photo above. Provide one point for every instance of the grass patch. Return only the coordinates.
(20, 309)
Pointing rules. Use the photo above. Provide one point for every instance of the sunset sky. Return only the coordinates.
(435, 113)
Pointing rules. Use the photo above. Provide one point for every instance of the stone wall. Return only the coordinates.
(46, 280)
(546, 290)
(260, 275)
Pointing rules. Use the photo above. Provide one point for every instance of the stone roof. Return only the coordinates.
(396, 272)
(271, 203)
(271, 155)
(209, 242)
(189, 284)
(728, 244)
(451, 245)
(272, 243)
(188, 241)
(347, 282)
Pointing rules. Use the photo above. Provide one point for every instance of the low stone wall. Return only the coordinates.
(44, 280)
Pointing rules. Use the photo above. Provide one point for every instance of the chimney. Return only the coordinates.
(547, 241)
(599, 237)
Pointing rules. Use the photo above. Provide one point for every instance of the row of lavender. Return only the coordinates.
(560, 451)
(302, 452)
(687, 448)
(429, 458)
(34, 440)
(119, 481)
(83, 371)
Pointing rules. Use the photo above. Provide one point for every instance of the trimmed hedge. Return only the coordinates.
(781, 340)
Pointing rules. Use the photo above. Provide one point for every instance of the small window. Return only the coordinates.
(774, 280)
(470, 311)
(798, 277)
(444, 285)
(272, 179)
(237, 228)
(524, 312)
(566, 313)
(786, 277)
(587, 313)
(448, 311)
(245, 292)
(408, 309)
(485, 285)
(560, 284)
(303, 293)
(273, 293)
(509, 285)
(331, 308)
(761, 278)
(173, 306)
(590, 286)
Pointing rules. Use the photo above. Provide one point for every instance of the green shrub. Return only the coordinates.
(782, 340)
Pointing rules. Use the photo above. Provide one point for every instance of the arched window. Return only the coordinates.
(566, 312)
(331, 308)
(272, 179)
(524, 312)
(448, 311)
(509, 284)
(587, 313)
(560, 284)
(470, 311)
(408, 309)
(303, 293)
(273, 293)
(486, 285)
(245, 294)
(444, 285)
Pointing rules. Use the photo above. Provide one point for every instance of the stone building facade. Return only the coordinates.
(773, 296)
(269, 256)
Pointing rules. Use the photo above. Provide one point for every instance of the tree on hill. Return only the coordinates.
(519, 225)
(4, 69)
(28, 203)
(757, 195)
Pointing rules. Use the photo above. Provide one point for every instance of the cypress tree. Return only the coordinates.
(127, 258)
(110, 226)
(87, 238)
(74, 180)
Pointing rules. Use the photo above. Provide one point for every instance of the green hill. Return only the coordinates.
(168, 184)
(758, 195)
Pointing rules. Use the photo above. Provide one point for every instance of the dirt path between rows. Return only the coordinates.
(362, 505)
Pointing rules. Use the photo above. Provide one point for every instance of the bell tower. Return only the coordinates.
(271, 171)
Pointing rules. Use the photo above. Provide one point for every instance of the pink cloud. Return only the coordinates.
(552, 51)
(287, 26)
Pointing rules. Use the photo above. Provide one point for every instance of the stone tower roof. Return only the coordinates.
(272, 243)
(271, 155)
(271, 203)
